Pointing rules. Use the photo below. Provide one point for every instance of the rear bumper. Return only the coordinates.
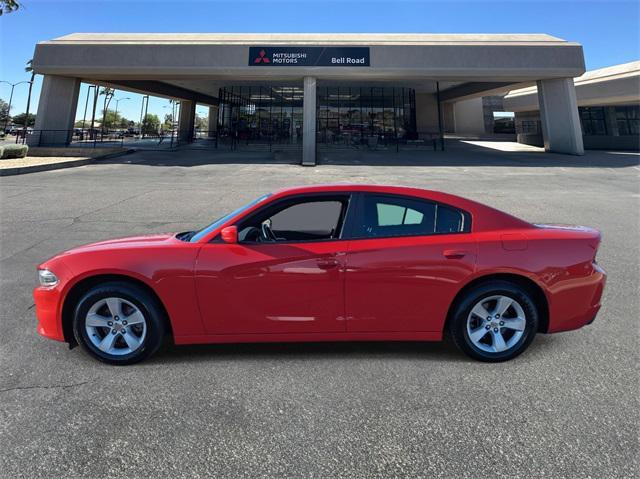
(577, 306)
(47, 301)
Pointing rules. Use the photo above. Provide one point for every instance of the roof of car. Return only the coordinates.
(350, 187)
(390, 189)
(485, 217)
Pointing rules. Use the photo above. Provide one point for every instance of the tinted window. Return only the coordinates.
(320, 217)
(383, 216)
(449, 220)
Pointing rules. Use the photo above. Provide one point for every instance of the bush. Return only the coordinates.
(1, 151)
(14, 151)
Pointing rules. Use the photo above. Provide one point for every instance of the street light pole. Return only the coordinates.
(118, 100)
(13, 85)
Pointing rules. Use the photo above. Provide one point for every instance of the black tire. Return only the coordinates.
(146, 303)
(458, 320)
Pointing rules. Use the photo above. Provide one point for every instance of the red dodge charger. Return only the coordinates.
(328, 263)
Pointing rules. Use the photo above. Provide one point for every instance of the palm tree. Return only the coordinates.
(8, 6)
(29, 69)
(108, 95)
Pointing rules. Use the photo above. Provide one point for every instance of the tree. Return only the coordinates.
(8, 6)
(111, 119)
(29, 69)
(150, 124)
(108, 95)
(202, 123)
(168, 122)
(20, 119)
(4, 111)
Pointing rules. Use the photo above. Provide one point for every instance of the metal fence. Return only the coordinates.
(78, 138)
(223, 140)
(234, 140)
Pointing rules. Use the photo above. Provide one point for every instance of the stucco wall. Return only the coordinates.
(469, 116)
(426, 113)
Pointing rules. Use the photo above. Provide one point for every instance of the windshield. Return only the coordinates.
(208, 229)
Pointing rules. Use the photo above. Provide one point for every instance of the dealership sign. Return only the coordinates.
(309, 56)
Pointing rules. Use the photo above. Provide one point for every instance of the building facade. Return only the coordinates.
(316, 89)
(608, 106)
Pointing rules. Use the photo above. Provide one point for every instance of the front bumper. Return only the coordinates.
(48, 312)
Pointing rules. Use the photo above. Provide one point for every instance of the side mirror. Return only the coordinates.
(230, 234)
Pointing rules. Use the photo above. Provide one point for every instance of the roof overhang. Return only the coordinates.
(505, 59)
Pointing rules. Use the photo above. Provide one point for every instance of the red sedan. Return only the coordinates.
(328, 263)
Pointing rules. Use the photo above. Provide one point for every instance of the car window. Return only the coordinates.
(391, 215)
(449, 220)
(383, 216)
(220, 221)
(308, 220)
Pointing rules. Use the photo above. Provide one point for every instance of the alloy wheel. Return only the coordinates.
(115, 326)
(496, 324)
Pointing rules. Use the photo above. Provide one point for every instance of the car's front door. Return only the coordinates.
(285, 275)
(406, 261)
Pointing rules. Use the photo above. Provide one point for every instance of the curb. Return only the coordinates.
(21, 170)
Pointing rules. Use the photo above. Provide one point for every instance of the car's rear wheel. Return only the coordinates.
(494, 321)
(118, 323)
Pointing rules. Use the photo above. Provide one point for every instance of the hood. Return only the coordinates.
(130, 242)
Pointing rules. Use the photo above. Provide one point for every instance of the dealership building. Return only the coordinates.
(608, 106)
(317, 89)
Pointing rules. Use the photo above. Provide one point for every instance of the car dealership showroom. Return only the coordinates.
(311, 91)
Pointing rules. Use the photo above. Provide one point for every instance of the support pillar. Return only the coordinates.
(309, 122)
(56, 111)
(186, 121)
(213, 121)
(559, 118)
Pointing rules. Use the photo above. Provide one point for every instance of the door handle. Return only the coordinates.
(327, 263)
(454, 253)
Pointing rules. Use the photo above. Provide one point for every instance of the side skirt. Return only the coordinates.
(309, 337)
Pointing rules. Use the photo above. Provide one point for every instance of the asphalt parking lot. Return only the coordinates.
(568, 407)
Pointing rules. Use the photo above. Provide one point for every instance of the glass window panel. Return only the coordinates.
(623, 128)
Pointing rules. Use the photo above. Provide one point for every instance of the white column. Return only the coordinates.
(309, 122)
(186, 120)
(56, 111)
(559, 116)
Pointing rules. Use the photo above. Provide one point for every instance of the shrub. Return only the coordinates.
(14, 151)
(1, 151)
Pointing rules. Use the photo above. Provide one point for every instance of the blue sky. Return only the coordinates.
(608, 30)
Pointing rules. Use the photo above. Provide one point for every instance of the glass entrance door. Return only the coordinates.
(260, 114)
(357, 116)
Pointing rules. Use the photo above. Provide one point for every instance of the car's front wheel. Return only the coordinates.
(118, 323)
(494, 321)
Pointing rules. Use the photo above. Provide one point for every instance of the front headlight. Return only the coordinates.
(47, 278)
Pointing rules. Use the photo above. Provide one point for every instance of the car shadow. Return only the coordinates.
(322, 350)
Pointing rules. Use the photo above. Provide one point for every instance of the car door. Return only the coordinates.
(407, 259)
(293, 284)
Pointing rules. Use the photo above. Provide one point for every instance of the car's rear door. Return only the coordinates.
(294, 284)
(406, 261)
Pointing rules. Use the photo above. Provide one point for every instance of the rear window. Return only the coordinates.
(384, 216)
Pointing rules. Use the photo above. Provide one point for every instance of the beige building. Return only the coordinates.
(314, 90)
(608, 105)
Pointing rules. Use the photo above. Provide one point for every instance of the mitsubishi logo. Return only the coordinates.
(262, 58)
